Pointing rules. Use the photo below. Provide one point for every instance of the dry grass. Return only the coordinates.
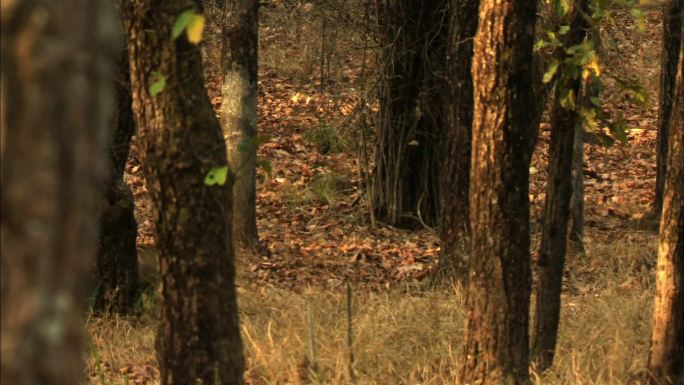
(408, 336)
(412, 336)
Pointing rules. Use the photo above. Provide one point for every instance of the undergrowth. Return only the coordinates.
(329, 138)
(412, 337)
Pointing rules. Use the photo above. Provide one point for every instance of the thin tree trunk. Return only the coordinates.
(57, 98)
(672, 37)
(239, 115)
(576, 235)
(405, 180)
(117, 259)
(180, 141)
(455, 143)
(667, 338)
(496, 345)
(557, 207)
(589, 90)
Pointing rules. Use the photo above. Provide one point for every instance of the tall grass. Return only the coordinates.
(415, 337)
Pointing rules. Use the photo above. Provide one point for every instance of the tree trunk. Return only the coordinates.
(667, 337)
(496, 348)
(405, 185)
(576, 235)
(55, 72)
(117, 260)
(180, 141)
(557, 206)
(455, 143)
(672, 37)
(239, 115)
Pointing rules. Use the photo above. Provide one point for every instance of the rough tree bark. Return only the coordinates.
(672, 37)
(117, 260)
(557, 206)
(413, 34)
(56, 71)
(180, 141)
(454, 173)
(496, 348)
(239, 115)
(667, 337)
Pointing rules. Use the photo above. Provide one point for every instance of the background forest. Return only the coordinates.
(386, 213)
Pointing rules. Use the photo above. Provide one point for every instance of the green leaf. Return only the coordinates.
(217, 175)
(551, 71)
(563, 29)
(635, 92)
(562, 6)
(595, 101)
(540, 44)
(552, 36)
(158, 83)
(567, 98)
(182, 23)
(599, 9)
(640, 18)
(582, 53)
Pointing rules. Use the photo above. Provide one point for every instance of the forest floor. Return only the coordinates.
(317, 234)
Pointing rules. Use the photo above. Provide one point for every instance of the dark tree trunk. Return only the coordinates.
(239, 115)
(180, 141)
(576, 235)
(56, 68)
(413, 34)
(496, 347)
(557, 206)
(672, 37)
(455, 143)
(667, 338)
(117, 260)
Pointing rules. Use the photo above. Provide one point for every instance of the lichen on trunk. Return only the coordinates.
(239, 116)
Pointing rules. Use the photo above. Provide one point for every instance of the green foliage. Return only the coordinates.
(567, 98)
(328, 188)
(265, 165)
(98, 362)
(252, 144)
(181, 23)
(635, 93)
(248, 144)
(551, 70)
(158, 83)
(563, 6)
(328, 138)
(567, 64)
(216, 176)
(190, 22)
